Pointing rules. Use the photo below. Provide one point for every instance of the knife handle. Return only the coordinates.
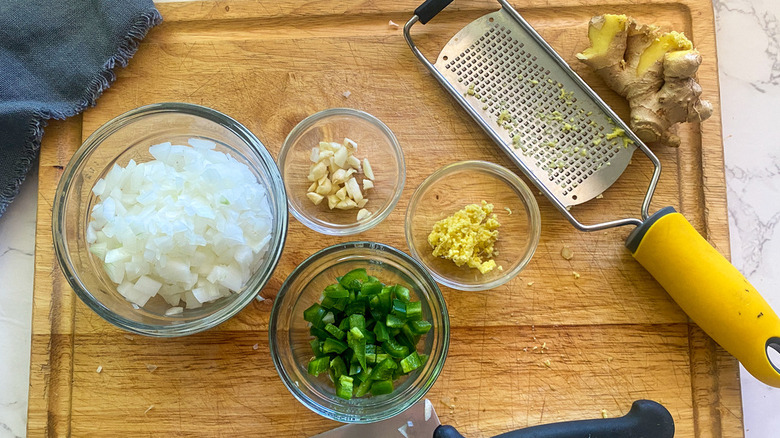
(645, 419)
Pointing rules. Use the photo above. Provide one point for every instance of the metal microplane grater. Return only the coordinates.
(552, 125)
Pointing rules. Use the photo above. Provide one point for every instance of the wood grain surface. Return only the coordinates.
(612, 336)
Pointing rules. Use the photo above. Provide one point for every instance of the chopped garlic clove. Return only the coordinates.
(316, 198)
(327, 146)
(324, 186)
(339, 176)
(350, 145)
(362, 214)
(368, 184)
(341, 194)
(324, 155)
(332, 166)
(318, 171)
(353, 189)
(353, 162)
(367, 170)
(312, 187)
(333, 200)
(346, 204)
(315, 155)
(362, 203)
(340, 156)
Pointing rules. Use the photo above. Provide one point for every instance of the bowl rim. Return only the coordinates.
(273, 325)
(375, 219)
(92, 143)
(509, 177)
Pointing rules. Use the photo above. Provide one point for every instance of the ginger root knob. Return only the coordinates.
(654, 71)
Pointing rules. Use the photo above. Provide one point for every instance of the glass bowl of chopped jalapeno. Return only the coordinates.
(359, 332)
(473, 224)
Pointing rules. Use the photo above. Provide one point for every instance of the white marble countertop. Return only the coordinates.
(749, 60)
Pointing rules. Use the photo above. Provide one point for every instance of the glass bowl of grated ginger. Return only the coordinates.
(473, 224)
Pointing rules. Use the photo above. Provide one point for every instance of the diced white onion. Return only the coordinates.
(191, 225)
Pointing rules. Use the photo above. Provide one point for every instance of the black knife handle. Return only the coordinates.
(445, 431)
(646, 419)
(426, 11)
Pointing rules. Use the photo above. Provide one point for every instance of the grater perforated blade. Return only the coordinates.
(540, 113)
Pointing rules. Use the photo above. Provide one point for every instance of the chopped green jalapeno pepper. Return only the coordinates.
(316, 348)
(358, 346)
(355, 307)
(401, 293)
(333, 346)
(381, 332)
(319, 333)
(393, 321)
(410, 363)
(420, 327)
(399, 309)
(354, 369)
(314, 314)
(382, 387)
(354, 279)
(336, 291)
(371, 288)
(395, 349)
(413, 311)
(357, 321)
(338, 367)
(366, 334)
(384, 370)
(363, 388)
(335, 331)
(344, 387)
(318, 365)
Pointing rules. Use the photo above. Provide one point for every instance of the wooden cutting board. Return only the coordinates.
(611, 336)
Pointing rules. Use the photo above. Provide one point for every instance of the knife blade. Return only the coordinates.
(413, 422)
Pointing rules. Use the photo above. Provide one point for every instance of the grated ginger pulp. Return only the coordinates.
(467, 237)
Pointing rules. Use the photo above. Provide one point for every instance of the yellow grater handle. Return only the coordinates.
(710, 290)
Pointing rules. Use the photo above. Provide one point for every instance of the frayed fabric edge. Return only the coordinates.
(102, 80)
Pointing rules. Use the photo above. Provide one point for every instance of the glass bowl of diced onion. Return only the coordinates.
(343, 170)
(169, 219)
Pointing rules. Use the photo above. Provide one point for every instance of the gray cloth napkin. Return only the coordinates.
(56, 58)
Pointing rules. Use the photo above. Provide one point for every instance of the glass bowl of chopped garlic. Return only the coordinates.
(473, 236)
(343, 170)
(169, 219)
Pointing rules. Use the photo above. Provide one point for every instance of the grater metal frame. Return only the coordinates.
(496, 137)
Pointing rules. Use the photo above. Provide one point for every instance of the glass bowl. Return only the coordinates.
(289, 333)
(451, 188)
(129, 136)
(374, 141)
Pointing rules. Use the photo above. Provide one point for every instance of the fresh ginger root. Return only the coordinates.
(654, 71)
